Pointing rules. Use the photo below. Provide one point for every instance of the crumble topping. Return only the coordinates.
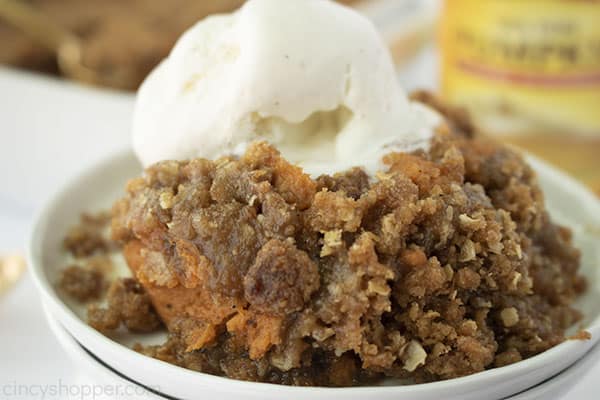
(443, 265)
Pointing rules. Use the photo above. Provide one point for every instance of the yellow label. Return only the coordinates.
(536, 62)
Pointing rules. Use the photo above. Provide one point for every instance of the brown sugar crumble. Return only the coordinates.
(581, 335)
(89, 243)
(87, 280)
(443, 265)
(128, 304)
(81, 283)
(88, 237)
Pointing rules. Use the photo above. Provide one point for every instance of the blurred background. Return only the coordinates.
(118, 42)
(527, 70)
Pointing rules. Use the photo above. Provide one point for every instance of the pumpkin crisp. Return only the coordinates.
(444, 264)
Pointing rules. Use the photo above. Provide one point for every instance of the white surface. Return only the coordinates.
(99, 186)
(48, 130)
(327, 97)
(35, 109)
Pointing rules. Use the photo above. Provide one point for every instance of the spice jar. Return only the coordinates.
(524, 66)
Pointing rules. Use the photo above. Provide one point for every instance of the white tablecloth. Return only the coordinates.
(49, 131)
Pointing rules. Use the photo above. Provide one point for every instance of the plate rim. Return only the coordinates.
(46, 289)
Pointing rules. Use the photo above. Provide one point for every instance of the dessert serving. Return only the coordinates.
(301, 221)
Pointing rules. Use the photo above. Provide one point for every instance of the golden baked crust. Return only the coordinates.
(445, 264)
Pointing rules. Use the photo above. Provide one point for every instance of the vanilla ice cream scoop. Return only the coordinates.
(309, 76)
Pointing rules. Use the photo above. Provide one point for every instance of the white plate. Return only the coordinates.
(559, 385)
(552, 389)
(94, 367)
(98, 187)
